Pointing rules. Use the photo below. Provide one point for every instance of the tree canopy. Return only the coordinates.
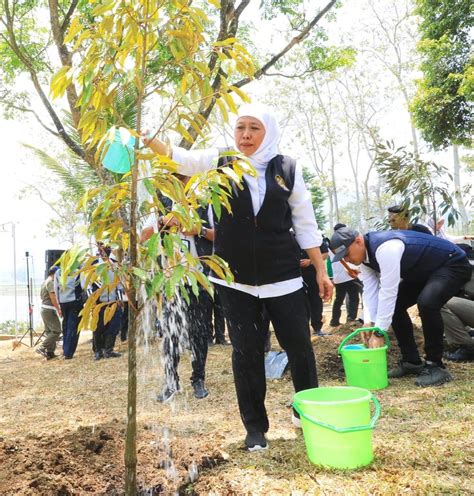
(442, 107)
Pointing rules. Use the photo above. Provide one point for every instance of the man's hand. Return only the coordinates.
(325, 285)
(376, 341)
(305, 262)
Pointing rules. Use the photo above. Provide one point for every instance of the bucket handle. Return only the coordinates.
(363, 329)
(357, 428)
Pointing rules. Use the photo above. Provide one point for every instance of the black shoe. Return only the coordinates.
(460, 355)
(98, 355)
(112, 354)
(222, 342)
(167, 394)
(200, 390)
(42, 352)
(433, 375)
(334, 324)
(50, 355)
(255, 441)
(406, 368)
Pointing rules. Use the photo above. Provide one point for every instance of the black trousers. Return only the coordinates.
(443, 284)
(315, 302)
(124, 322)
(289, 315)
(218, 329)
(192, 326)
(351, 289)
(105, 334)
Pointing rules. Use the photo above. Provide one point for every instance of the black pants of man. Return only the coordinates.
(351, 289)
(430, 296)
(124, 323)
(70, 311)
(194, 327)
(290, 318)
(105, 334)
(315, 302)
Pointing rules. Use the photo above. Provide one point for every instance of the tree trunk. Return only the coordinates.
(331, 207)
(458, 190)
(131, 436)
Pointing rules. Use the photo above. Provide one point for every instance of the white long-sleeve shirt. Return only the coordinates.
(304, 222)
(381, 289)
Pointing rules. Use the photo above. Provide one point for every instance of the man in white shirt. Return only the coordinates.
(400, 269)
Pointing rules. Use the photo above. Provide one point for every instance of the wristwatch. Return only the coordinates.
(203, 232)
(379, 334)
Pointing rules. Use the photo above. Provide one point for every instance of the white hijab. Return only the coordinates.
(266, 151)
(269, 146)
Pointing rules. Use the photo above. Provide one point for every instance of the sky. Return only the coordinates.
(29, 214)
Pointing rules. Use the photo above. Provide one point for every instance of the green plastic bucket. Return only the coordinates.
(337, 425)
(365, 367)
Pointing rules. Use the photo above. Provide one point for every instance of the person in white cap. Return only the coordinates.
(256, 241)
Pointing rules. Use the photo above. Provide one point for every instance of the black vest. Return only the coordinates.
(260, 249)
(423, 253)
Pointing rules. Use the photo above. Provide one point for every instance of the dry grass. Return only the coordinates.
(62, 425)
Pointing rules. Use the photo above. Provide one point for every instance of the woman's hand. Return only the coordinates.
(151, 141)
(305, 262)
(325, 285)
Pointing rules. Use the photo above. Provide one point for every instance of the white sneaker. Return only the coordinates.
(295, 420)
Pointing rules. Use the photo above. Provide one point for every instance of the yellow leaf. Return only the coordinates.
(223, 109)
(109, 312)
(243, 96)
(60, 81)
(103, 8)
(73, 30)
(227, 41)
(230, 102)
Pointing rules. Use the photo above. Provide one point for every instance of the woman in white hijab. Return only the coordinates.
(256, 241)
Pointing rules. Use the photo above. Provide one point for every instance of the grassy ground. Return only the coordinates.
(62, 427)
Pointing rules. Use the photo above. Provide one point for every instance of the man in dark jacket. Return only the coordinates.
(400, 269)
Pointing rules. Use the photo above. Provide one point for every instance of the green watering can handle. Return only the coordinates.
(370, 425)
(363, 329)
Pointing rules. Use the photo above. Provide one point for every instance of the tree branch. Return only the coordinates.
(31, 111)
(12, 42)
(297, 39)
(229, 22)
(67, 17)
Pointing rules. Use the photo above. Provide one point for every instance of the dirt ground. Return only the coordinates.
(62, 429)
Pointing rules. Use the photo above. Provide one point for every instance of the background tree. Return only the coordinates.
(317, 197)
(421, 184)
(441, 107)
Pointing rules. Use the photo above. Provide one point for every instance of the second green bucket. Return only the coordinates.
(365, 367)
(337, 426)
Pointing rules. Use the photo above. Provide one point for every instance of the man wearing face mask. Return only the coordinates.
(256, 241)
